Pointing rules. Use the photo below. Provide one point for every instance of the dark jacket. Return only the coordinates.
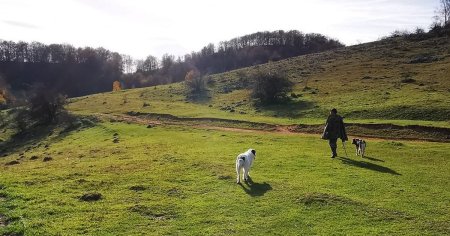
(334, 128)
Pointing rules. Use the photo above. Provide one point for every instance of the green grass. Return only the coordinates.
(178, 180)
(7, 124)
(363, 82)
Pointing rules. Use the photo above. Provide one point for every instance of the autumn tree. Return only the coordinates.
(116, 86)
(2, 98)
(5, 96)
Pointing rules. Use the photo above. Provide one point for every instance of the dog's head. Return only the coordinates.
(253, 151)
(355, 141)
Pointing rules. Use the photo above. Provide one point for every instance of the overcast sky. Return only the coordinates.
(142, 27)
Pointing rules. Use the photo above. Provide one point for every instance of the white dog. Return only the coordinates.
(244, 161)
(360, 145)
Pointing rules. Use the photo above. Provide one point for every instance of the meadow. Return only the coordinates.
(378, 82)
(154, 161)
(178, 180)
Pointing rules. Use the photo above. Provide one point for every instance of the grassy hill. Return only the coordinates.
(149, 161)
(391, 81)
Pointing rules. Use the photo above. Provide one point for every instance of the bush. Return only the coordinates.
(195, 83)
(271, 87)
(438, 30)
(45, 107)
(39, 107)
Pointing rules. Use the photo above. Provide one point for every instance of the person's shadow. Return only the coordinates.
(373, 158)
(368, 165)
(255, 189)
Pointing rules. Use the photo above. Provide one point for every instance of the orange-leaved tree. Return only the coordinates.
(117, 86)
(2, 96)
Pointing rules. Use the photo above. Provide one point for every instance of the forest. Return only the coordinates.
(73, 71)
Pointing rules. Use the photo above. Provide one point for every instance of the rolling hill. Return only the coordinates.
(390, 80)
(152, 161)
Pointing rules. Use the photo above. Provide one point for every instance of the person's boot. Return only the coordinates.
(334, 152)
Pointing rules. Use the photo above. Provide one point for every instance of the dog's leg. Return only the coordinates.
(238, 173)
(246, 174)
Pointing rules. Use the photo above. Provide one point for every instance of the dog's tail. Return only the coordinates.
(241, 160)
(240, 163)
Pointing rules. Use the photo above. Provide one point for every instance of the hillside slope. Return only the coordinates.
(390, 81)
(137, 170)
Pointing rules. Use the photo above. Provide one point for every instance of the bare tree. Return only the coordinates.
(167, 61)
(444, 12)
(151, 63)
(128, 64)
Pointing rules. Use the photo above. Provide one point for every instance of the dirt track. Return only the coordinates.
(382, 131)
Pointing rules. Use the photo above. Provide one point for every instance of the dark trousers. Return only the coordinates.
(333, 145)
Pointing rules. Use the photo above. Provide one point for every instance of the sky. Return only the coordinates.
(153, 27)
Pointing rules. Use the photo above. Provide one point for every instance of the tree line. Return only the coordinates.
(258, 48)
(239, 52)
(81, 71)
(60, 67)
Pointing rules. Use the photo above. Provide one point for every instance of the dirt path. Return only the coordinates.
(379, 131)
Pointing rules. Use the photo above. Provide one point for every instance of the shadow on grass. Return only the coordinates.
(255, 189)
(368, 165)
(373, 159)
(290, 109)
(37, 135)
(26, 139)
(199, 98)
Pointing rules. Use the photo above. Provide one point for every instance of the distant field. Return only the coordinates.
(158, 100)
(392, 81)
(179, 180)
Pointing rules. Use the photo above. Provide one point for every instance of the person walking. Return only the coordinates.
(334, 129)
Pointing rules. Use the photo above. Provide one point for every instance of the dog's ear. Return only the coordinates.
(254, 152)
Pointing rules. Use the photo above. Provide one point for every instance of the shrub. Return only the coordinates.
(45, 107)
(195, 83)
(271, 87)
(39, 107)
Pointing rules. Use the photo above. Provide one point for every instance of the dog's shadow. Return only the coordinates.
(368, 165)
(255, 189)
